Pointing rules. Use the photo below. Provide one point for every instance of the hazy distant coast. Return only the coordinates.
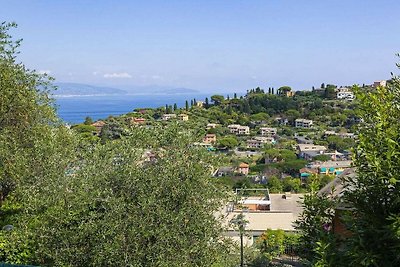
(78, 89)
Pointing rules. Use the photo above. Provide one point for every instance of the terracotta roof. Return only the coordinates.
(243, 165)
(98, 123)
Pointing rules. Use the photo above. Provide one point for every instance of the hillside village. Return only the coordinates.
(266, 139)
(272, 146)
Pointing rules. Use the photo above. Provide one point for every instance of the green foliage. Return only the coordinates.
(119, 208)
(284, 89)
(217, 99)
(376, 193)
(314, 225)
(261, 116)
(83, 128)
(291, 167)
(330, 91)
(228, 142)
(340, 144)
(322, 157)
(291, 184)
(275, 185)
(26, 113)
(88, 121)
(272, 243)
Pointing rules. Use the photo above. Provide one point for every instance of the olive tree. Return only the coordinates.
(143, 200)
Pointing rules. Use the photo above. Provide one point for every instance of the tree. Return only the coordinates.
(133, 210)
(330, 92)
(228, 142)
(375, 194)
(207, 104)
(186, 105)
(88, 121)
(315, 226)
(235, 96)
(271, 243)
(262, 116)
(284, 90)
(33, 145)
(175, 107)
(275, 185)
(26, 111)
(217, 99)
(322, 157)
(292, 115)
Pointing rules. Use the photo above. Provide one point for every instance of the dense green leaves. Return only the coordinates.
(375, 193)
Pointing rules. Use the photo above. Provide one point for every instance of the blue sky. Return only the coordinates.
(209, 45)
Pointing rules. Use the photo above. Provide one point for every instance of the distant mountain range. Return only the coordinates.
(78, 89)
(64, 89)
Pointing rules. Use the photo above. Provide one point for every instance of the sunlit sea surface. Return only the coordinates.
(74, 109)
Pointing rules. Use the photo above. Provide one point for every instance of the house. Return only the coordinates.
(379, 84)
(210, 138)
(345, 95)
(205, 145)
(261, 211)
(199, 104)
(98, 125)
(348, 135)
(211, 126)
(308, 151)
(239, 129)
(243, 168)
(134, 121)
(259, 141)
(303, 140)
(266, 131)
(224, 171)
(342, 89)
(342, 135)
(303, 123)
(282, 121)
(327, 133)
(166, 117)
(306, 172)
(183, 117)
(334, 167)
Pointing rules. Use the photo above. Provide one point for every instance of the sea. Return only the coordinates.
(74, 109)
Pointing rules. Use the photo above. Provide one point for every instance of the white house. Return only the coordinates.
(260, 141)
(266, 131)
(166, 117)
(239, 129)
(379, 83)
(303, 123)
(261, 212)
(345, 95)
(307, 151)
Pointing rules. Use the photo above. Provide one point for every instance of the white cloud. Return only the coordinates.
(44, 72)
(117, 75)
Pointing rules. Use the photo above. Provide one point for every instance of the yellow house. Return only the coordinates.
(183, 117)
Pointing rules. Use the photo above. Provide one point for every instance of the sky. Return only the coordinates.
(222, 46)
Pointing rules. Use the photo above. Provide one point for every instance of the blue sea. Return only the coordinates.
(74, 109)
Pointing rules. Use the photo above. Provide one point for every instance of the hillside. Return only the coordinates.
(69, 89)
